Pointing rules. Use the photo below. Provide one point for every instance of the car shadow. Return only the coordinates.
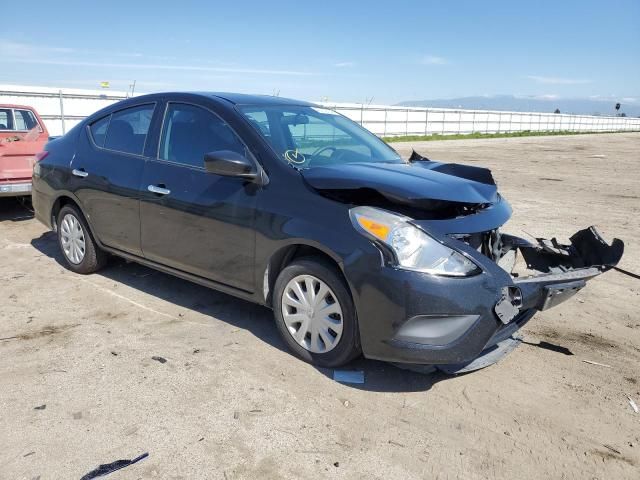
(379, 376)
(15, 209)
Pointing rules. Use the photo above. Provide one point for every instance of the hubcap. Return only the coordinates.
(72, 239)
(312, 314)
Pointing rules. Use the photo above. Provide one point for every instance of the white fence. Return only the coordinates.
(61, 109)
(394, 121)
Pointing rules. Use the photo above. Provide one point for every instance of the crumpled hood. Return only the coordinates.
(415, 184)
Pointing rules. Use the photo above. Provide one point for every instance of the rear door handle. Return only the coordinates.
(80, 172)
(158, 190)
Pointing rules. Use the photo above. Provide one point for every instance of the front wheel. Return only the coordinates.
(315, 314)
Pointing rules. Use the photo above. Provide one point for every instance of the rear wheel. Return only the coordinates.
(79, 249)
(315, 314)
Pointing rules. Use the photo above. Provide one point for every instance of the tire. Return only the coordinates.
(325, 340)
(71, 225)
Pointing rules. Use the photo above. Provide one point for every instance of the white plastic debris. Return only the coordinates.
(632, 403)
(348, 376)
(591, 362)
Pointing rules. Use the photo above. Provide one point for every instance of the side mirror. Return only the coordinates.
(229, 164)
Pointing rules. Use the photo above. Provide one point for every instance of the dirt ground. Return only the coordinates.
(231, 403)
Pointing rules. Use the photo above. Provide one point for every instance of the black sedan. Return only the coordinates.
(298, 208)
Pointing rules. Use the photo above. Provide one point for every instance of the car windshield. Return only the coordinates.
(308, 137)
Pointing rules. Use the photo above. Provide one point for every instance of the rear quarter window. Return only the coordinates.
(99, 130)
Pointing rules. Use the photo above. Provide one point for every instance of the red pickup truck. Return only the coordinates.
(22, 136)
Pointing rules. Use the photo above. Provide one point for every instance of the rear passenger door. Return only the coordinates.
(106, 175)
(192, 220)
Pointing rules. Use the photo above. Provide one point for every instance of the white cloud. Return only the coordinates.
(557, 80)
(148, 66)
(41, 55)
(344, 64)
(26, 50)
(433, 60)
(15, 49)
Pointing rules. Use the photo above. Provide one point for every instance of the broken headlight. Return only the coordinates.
(412, 248)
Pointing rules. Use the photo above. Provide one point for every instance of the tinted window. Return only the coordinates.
(128, 129)
(99, 130)
(25, 120)
(6, 120)
(189, 132)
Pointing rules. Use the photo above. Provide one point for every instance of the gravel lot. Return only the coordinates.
(231, 403)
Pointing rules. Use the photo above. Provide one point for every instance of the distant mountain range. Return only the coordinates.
(582, 106)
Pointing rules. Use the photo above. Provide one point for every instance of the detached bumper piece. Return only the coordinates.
(562, 270)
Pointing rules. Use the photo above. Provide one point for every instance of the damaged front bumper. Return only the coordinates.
(563, 269)
(462, 324)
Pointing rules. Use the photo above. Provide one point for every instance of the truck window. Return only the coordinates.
(6, 120)
(25, 120)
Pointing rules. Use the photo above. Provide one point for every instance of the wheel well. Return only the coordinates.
(287, 255)
(57, 206)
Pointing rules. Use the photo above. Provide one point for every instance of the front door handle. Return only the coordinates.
(79, 172)
(158, 190)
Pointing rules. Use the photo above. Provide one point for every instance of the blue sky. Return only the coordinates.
(340, 50)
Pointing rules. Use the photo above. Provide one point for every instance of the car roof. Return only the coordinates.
(246, 99)
(220, 97)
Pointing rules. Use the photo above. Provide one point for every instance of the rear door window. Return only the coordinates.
(189, 132)
(99, 130)
(25, 120)
(6, 119)
(128, 129)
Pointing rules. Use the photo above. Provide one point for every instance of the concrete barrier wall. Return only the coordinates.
(62, 108)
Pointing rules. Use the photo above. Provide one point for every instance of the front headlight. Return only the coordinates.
(413, 248)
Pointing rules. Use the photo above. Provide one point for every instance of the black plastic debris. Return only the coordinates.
(41, 407)
(159, 359)
(108, 468)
